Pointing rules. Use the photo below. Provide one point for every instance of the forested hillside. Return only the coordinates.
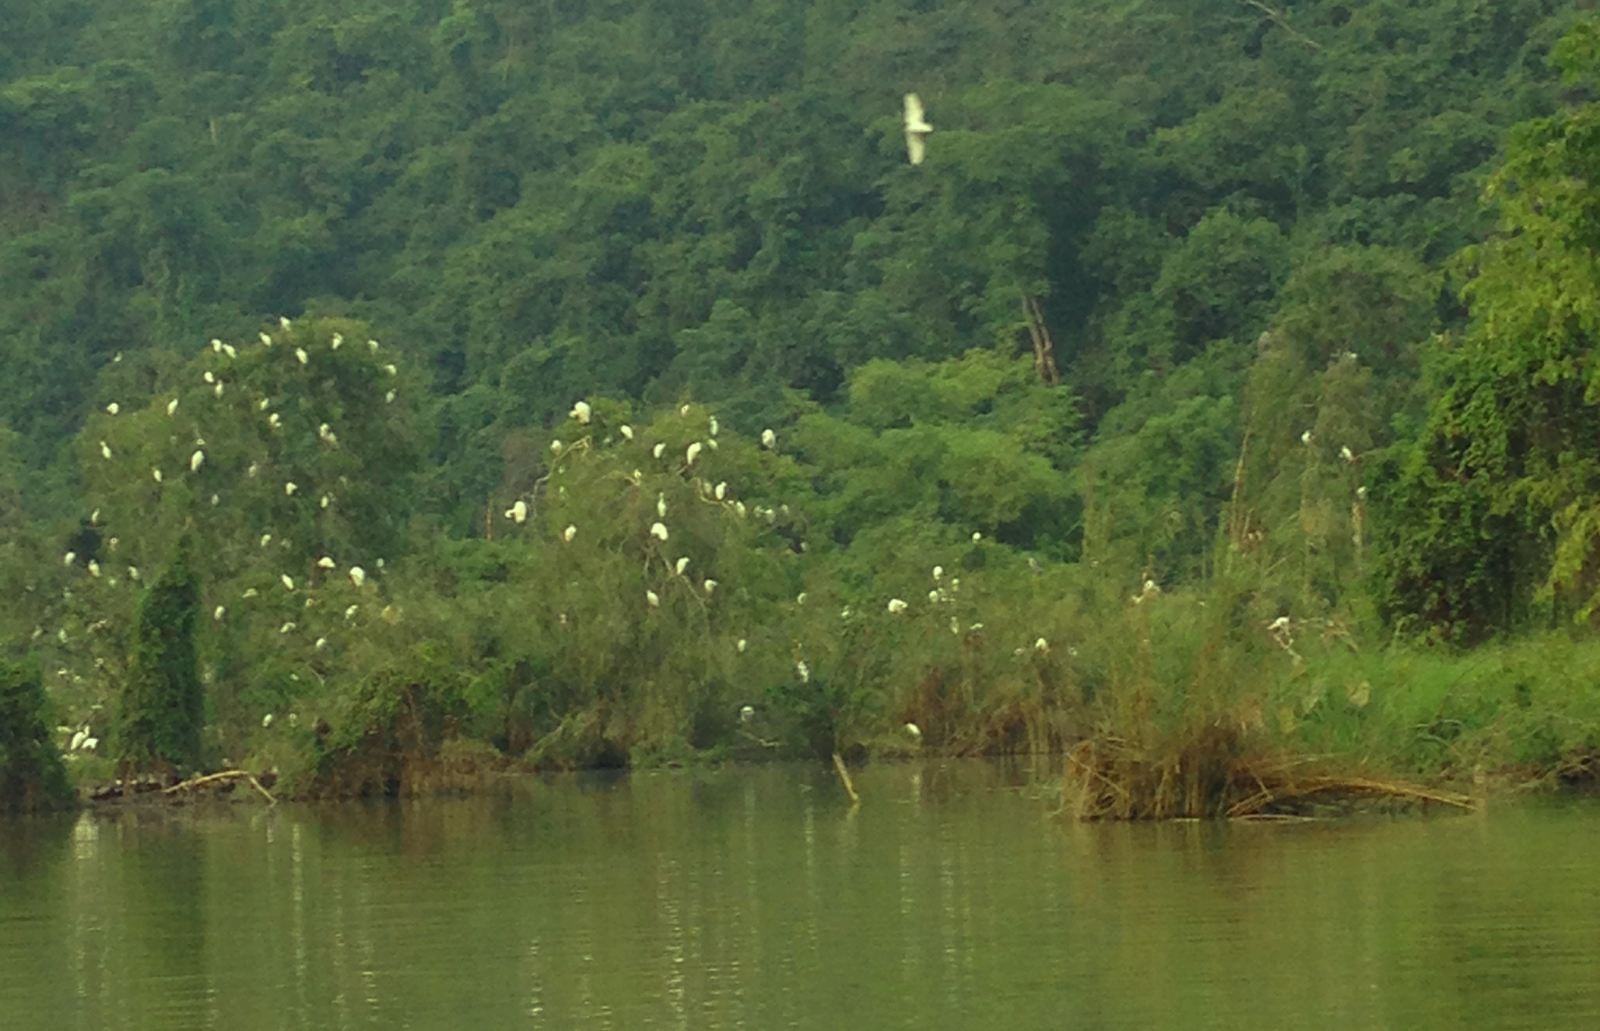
(1187, 301)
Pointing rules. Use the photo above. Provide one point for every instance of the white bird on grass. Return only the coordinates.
(917, 129)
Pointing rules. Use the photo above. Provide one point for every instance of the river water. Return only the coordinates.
(757, 898)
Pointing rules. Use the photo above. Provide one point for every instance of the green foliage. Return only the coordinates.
(163, 705)
(32, 776)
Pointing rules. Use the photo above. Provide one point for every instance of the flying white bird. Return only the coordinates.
(581, 412)
(917, 129)
(769, 440)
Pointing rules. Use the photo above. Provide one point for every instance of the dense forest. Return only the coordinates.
(393, 387)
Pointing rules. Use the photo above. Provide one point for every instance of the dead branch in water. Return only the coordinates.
(1294, 791)
(844, 778)
(212, 778)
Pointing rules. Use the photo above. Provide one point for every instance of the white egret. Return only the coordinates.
(69, 558)
(1041, 645)
(326, 434)
(1361, 492)
(1305, 438)
(289, 488)
(379, 563)
(300, 355)
(113, 408)
(747, 713)
(266, 539)
(659, 450)
(569, 533)
(915, 732)
(94, 568)
(555, 447)
(739, 509)
(658, 531)
(712, 426)
(208, 376)
(1346, 454)
(325, 562)
(338, 339)
(285, 628)
(133, 573)
(90, 743)
(741, 645)
(358, 576)
(917, 129)
(216, 345)
(196, 460)
(266, 721)
(249, 592)
(350, 613)
(324, 501)
(228, 349)
(172, 406)
(684, 410)
(79, 738)
(1278, 625)
(938, 571)
(626, 431)
(933, 596)
(274, 420)
(721, 490)
(286, 580)
(976, 536)
(372, 345)
(263, 404)
(653, 599)
(322, 642)
(217, 390)
(581, 412)
(266, 341)
(896, 606)
(800, 599)
(105, 451)
(116, 359)
(661, 505)
(680, 565)
(769, 439)
(803, 670)
(388, 397)
(391, 370)
(155, 474)
(518, 512)
(283, 321)
(218, 612)
(710, 585)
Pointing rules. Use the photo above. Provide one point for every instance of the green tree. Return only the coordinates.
(163, 705)
(32, 776)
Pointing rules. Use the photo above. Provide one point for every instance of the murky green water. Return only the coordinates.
(754, 898)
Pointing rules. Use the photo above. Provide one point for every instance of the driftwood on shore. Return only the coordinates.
(213, 778)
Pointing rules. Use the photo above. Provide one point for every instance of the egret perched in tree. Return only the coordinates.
(266, 539)
(681, 564)
(79, 738)
(803, 670)
(266, 341)
(300, 355)
(658, 531)
(739, 509)
(692, 452)
(324, 501)
(325, 562)
(94, 568)
(326, 434)
(661, 505)
(555, 447)
(721, 490)
(1361, 491)
(933, 596)
(286, 627)
(915, 732)
(196, 460)
(218, 612)
(896, 606)
(938, 571)
(1346, 454)
(217, 390)
(105, 451)
(917, 129)
(1305, 438)
(710, 585)
(800, 599)
(711, 425)
(747, 713)
(274, 420)
(133, 573)
(740, 645)
(208, 376)
(283, 321)
(1041, 645)
(581, 412)
(358, 576)
(1278, 625)
(287, 581)
(391, 370)
(266, 721)
(322, 642)
(769, 439)
(113, 408)
(518, 512)
(372, 345)
(388, 397)
(172, 406)
(249, 592)
(626, 431)
(289, 489)
(659, 450)
(336, 342)
(653, 599)
(350, 613)
(69, 558)
(569, 533)
(976, 536)
(155, 474)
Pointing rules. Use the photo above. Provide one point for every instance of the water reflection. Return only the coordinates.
(757, 898)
